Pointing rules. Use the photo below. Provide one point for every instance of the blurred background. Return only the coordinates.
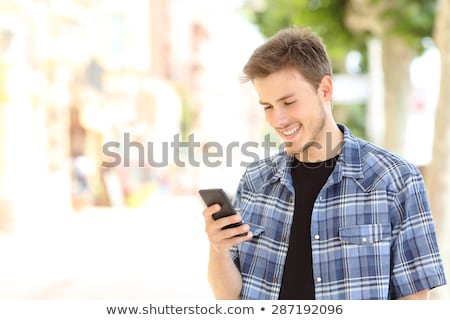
(77, 76)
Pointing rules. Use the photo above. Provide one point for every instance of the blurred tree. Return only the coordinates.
(401, 26)
(347, 25)
(438, 172)
(326, 17)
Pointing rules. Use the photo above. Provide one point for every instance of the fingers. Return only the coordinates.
(224, 245)
(212, 224)
(209, 211)
(224, 238)
(230, 232)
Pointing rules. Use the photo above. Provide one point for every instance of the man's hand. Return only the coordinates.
(223, 239)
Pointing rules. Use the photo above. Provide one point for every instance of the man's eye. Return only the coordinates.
(267, 107)
(286, 103)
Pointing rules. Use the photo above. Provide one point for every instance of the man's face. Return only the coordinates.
(295, 110)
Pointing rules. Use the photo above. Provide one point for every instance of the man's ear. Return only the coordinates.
(326, 88)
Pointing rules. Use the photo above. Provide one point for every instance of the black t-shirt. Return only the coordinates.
(308, 180)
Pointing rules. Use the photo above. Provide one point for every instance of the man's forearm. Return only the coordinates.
(421, 295)
(224, 278)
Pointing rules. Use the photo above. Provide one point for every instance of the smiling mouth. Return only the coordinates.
(290, 131)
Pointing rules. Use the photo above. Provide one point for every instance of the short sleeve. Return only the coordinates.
(416, 260)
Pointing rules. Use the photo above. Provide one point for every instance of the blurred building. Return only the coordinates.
(74, 74)
(77, 74)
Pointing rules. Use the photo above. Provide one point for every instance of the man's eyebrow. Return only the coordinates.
(286, 96)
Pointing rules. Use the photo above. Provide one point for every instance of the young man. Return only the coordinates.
(331, 217)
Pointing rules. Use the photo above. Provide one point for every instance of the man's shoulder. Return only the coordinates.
(384, 156)
(377, 161)
(264, 169)
(276, 160)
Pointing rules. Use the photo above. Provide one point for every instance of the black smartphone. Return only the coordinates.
(218, 196)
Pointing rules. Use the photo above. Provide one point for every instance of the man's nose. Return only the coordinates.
(279, 118)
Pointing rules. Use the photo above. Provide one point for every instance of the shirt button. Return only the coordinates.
(319, 279)
(317, 237)
(283, 239)
(275, 280)
(364, 239)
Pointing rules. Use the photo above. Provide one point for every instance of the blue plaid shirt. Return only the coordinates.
(372, 233)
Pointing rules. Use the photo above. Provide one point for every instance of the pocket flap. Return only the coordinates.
(365, 233)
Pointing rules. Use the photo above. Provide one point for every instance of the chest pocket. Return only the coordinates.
(365, 234)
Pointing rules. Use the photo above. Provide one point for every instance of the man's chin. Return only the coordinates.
(295, 150)
(293, 147)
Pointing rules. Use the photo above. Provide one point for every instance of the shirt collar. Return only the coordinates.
(350, 160)
(282, 164)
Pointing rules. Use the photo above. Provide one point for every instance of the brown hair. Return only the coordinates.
(291, 47)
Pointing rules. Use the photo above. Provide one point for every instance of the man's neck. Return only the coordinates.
(328, 145)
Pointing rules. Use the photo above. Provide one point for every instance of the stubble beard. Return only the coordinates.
(302, 152)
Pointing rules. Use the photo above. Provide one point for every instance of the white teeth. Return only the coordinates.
(289, 132)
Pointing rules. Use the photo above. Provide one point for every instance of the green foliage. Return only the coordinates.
(326, 17)
(411, 19)
(353, 115)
